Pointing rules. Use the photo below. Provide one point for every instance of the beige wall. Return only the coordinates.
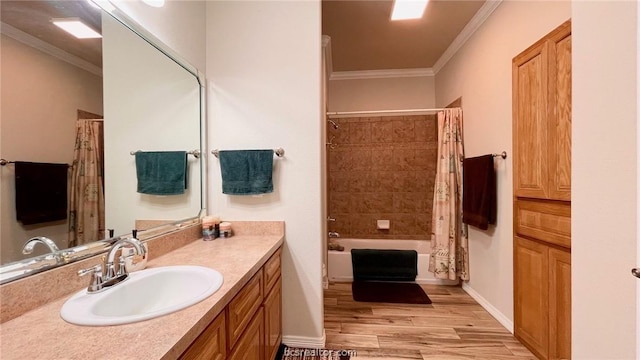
(264, 68)
(396, 93)
(604, 180)
(40, 98)
(481, 73)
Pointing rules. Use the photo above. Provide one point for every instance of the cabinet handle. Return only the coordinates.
(635, 272)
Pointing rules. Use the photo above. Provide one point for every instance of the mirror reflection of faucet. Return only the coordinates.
(60, 257)
(29, 245)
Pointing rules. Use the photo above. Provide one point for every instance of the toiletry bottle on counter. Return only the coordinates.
(208, 228)
(225, 230)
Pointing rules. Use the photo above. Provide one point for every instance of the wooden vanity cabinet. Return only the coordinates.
(250, 326)
(211, 344)
(241, 309)
(272, 307)
(251, 345)
(542, 195)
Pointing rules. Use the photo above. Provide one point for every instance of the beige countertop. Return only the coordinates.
(42, 334)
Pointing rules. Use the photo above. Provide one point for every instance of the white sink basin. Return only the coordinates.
(144, 295)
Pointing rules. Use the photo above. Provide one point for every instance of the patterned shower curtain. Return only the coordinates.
(86, 216)
(449, 242)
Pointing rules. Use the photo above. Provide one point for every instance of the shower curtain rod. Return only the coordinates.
(365, 112)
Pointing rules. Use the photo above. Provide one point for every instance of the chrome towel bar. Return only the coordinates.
(279, 152)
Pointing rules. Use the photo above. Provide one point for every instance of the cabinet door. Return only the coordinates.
(531, 287)
(211, 344)
(242, 308)
(560, 113)
(273, 321)
(272, 271)
(559, 304)
(530, 123)
(250, 346)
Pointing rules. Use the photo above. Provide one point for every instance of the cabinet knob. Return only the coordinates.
(635, 272)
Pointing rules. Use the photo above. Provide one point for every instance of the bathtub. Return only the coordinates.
(339, 262)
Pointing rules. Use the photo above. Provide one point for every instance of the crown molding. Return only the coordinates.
(381, 74)
(47, 48)
(474, 24)
(328, 57)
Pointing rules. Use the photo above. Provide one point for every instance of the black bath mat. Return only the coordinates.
(384, 265)
(389, 292)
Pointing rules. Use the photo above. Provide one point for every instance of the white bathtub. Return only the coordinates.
(339, 262)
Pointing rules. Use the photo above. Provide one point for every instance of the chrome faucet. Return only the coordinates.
(137, 245)
(102, 281)
(29, 245)
(333, 234)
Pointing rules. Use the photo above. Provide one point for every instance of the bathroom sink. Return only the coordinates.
(144, 295)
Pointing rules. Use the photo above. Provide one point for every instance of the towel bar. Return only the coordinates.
(502, 155)
(195, 153)
(279, 152)
(4, 162)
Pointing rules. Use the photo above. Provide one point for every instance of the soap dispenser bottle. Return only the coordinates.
(132, 260)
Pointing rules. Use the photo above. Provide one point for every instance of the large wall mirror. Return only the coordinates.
(90, 104)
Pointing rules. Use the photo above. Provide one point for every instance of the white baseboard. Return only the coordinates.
(437, 281)
(502, 319)
(304, 341)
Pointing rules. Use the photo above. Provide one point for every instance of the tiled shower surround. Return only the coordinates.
(383, 168)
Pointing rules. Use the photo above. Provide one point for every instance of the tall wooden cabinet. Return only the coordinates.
(542, 195)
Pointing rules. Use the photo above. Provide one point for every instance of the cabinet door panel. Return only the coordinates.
(560, 117)
(273, 320)
(250, 346)
(559, 304)
(211, 344)
(272, 271)
(530, 130)
(543, 220)
(241, 309)
(531, 286)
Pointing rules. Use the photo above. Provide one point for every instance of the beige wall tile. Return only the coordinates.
(383, 168)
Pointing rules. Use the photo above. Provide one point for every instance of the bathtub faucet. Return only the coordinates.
(333, 234)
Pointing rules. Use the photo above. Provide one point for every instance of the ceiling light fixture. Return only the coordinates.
(76, 28)
(154, 3)
(102, 4)
(408, 9)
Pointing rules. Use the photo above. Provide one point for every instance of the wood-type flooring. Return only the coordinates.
(455, 326)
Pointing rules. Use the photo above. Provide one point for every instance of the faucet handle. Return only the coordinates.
(96, 277)
(93, 269)
(122, 269)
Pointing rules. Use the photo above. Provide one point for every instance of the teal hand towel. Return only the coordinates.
(161, 172)
(246, 172)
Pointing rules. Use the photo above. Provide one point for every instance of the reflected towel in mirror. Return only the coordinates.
(41, 192)
(246, 172)
(161, 172)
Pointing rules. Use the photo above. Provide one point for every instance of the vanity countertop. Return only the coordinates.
(42, 334)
